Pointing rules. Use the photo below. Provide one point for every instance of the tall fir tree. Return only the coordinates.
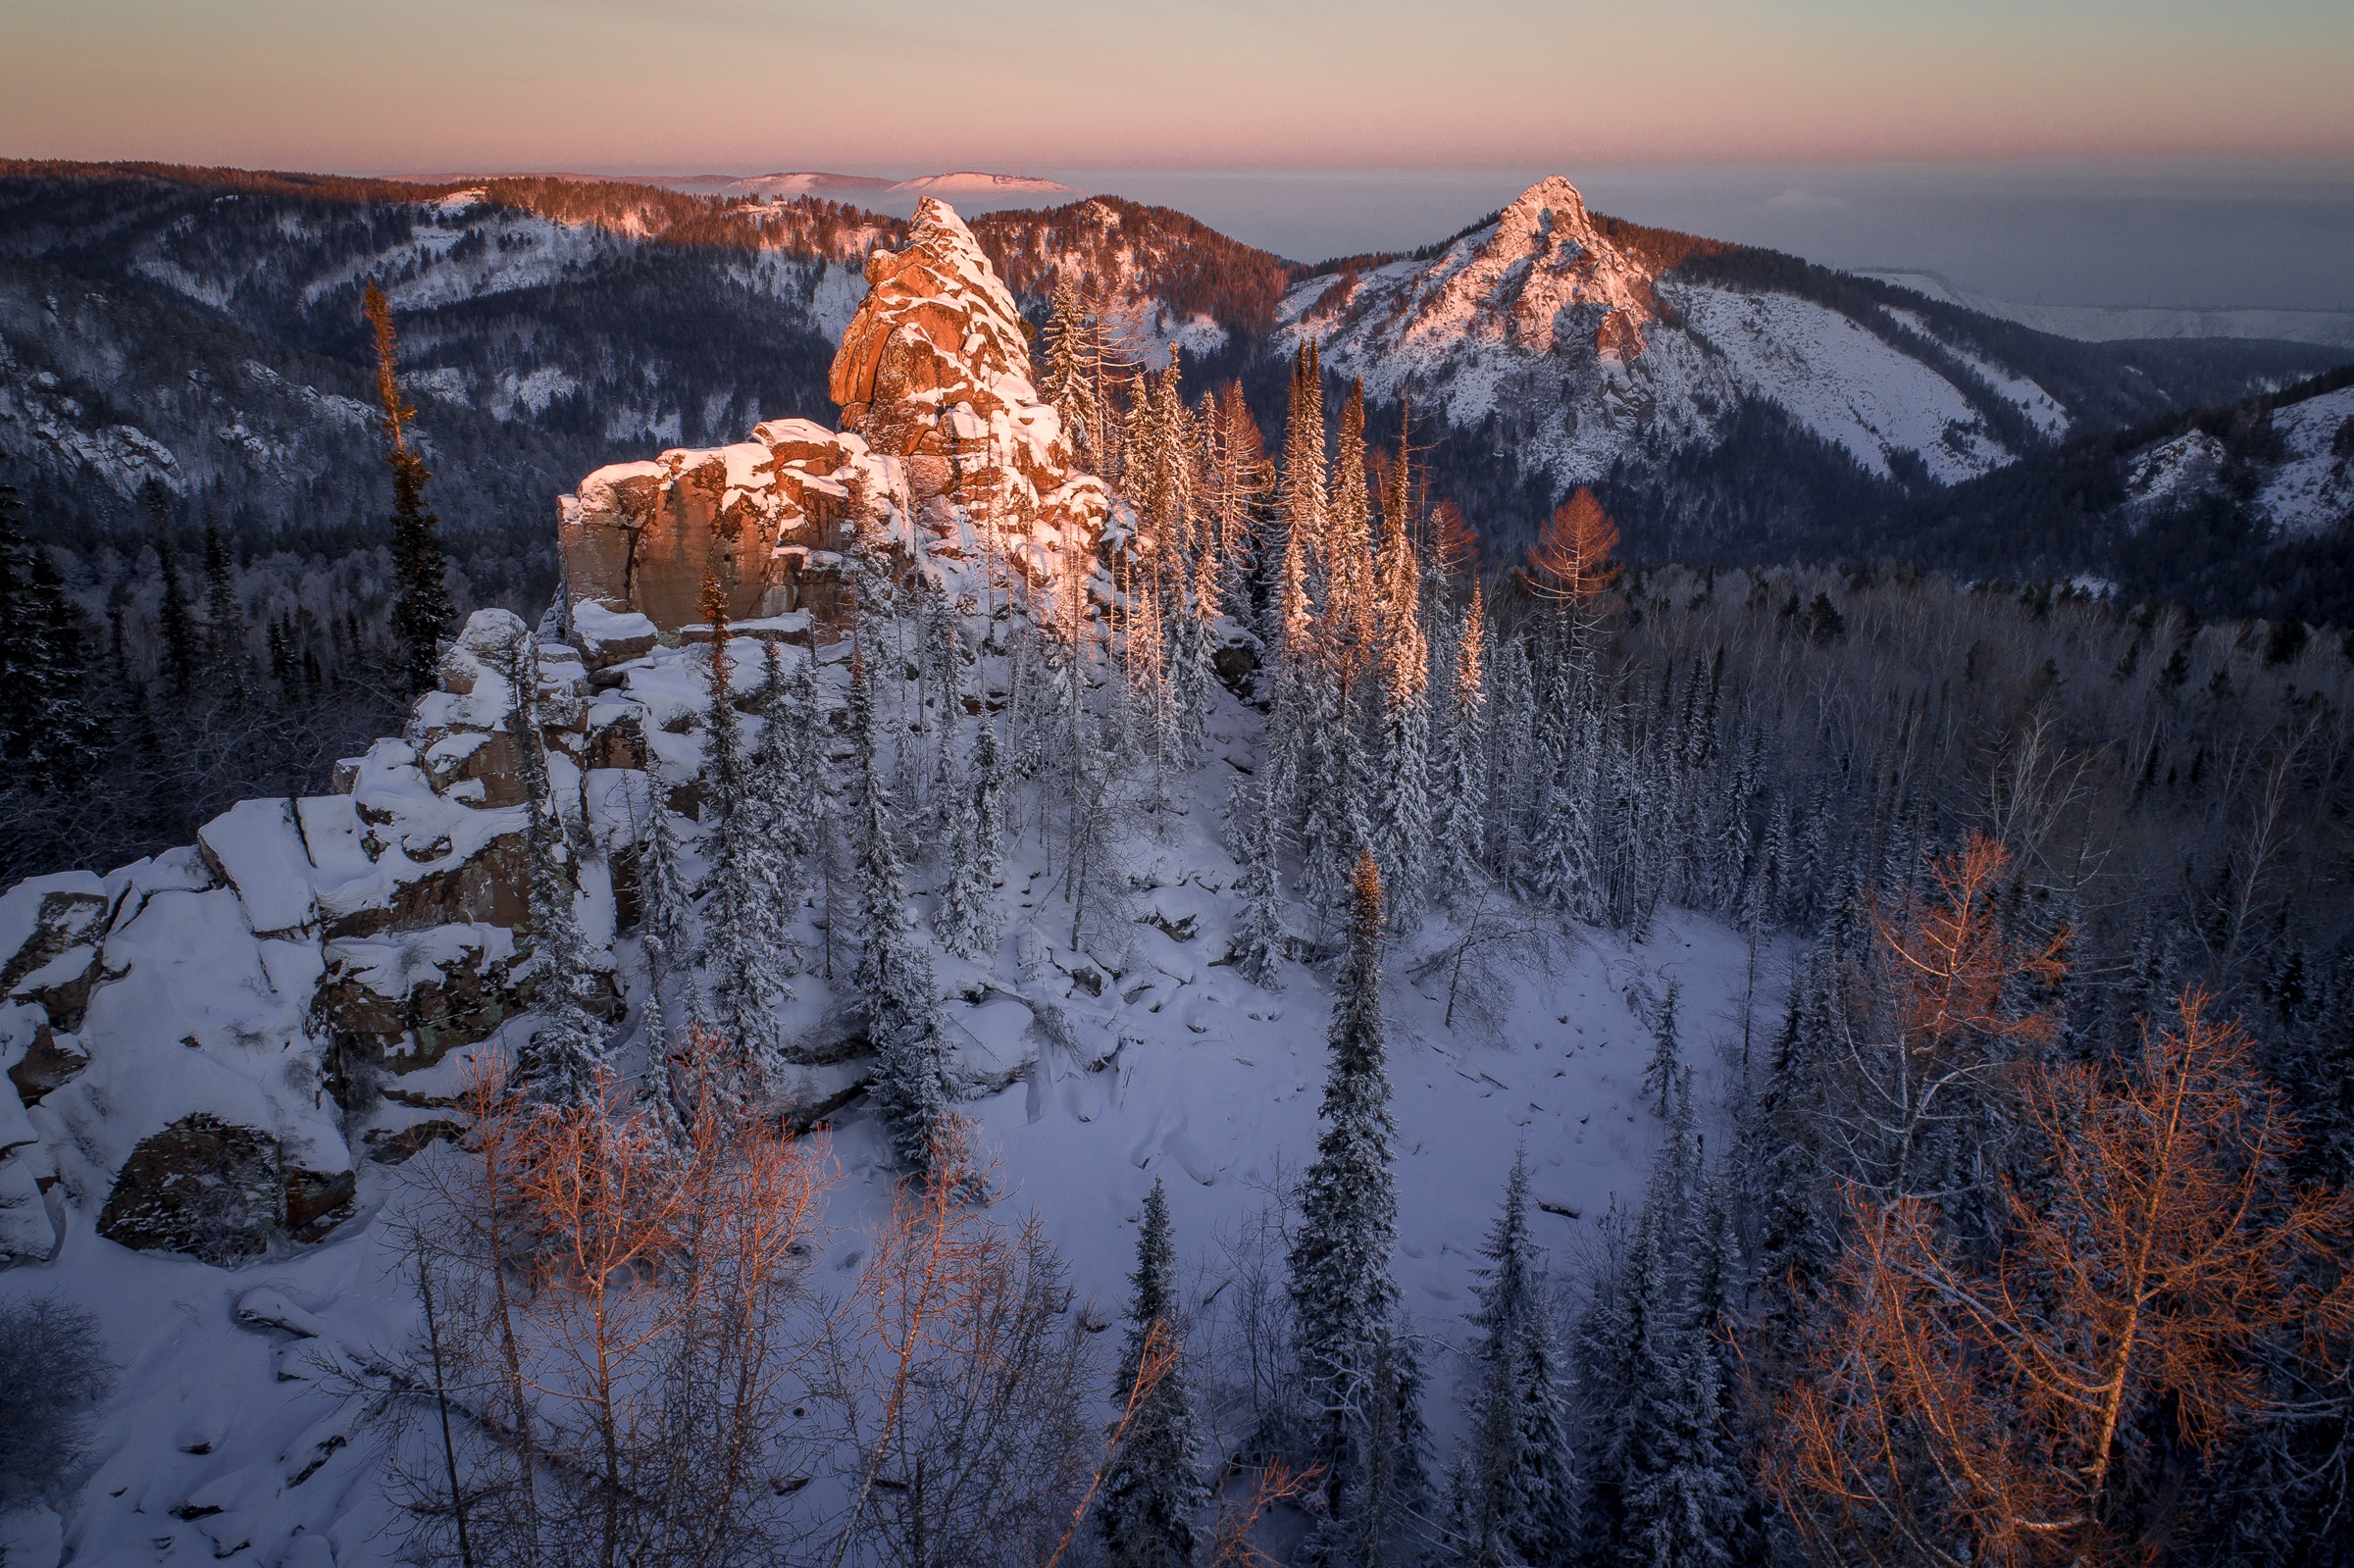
(1402, 815)
(423, 611)
(665, 923)
(174, 620)
(1068, 383)
(1345, 1299)
(224, 618)
(1151, 1489)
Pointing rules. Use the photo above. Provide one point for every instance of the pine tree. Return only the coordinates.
(894, 976)
(1150, 1490)
(1661, 1073)
(423, 613)
(1513, 1493)
(48, 725)
(1345, 1299)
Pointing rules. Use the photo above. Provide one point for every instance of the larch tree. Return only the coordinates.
(2028, 1407)
(423, 613)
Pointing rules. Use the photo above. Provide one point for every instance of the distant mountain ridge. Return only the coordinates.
(1729, 403)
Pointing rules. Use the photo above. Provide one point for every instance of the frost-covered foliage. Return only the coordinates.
(53, 1371)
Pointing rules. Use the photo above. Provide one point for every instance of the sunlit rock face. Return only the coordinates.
(944, 449)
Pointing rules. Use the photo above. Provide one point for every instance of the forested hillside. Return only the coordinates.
(1541, 1061)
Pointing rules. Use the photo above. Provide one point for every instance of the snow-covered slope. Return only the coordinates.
(238, 1423)
(2289, 463)
(1579, 332)
(2309, 487)
(233, 1064)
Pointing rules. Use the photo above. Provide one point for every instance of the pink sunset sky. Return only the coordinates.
(742, 84)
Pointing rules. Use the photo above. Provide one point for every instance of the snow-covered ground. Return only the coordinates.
(2312, 488)
(235, 1435)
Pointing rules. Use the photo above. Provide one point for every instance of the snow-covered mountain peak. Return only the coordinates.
(1544, 272)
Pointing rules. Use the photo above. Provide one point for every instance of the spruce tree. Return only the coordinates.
(1259, 942)
(1661, 1073)
(423, 613)
(1513, 1493)
(1345, 1299)
(745, 896)
(1462, 763)
(1150, 1488)
(894, 976)
(567, 1048)
(224, 618)
(969, 920)
(48, 722)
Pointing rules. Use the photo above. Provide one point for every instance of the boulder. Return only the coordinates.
(210, 1189)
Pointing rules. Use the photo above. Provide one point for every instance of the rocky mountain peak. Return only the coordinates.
(1545, 271)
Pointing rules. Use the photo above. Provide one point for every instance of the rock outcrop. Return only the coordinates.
(944, 451)
(200, 1042)
(208, 1046)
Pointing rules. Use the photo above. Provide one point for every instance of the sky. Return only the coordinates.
(1234, 83)
(1701, 112)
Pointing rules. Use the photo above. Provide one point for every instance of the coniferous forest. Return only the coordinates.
(1995, 1207)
